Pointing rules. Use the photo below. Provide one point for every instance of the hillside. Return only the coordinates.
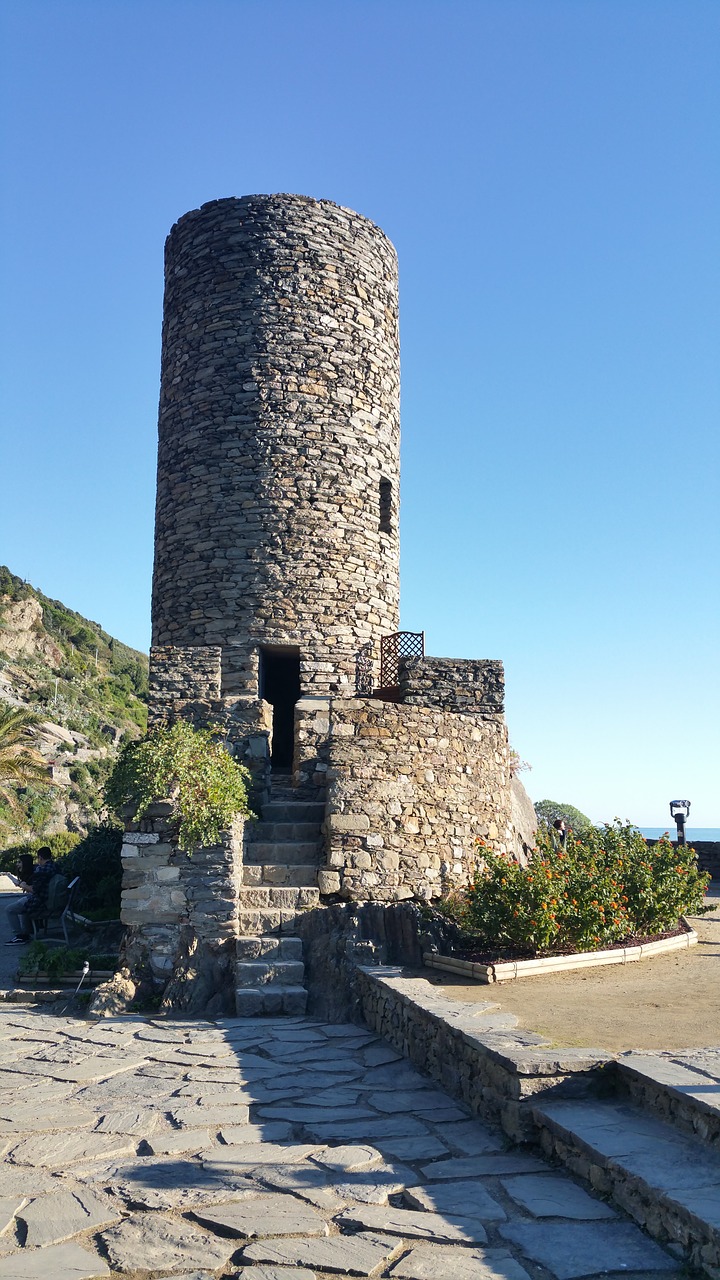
(89, 690)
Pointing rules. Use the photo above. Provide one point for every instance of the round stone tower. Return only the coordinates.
(278, 463)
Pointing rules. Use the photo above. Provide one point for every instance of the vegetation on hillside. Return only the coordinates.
(88, 693)
(21, 764)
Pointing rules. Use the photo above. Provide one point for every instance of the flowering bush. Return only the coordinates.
(606, 885)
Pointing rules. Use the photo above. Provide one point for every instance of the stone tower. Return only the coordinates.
(276, 543)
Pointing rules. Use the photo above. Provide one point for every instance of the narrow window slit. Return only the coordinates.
(386, 506)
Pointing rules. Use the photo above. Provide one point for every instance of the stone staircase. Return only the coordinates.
(652, 1147)
(280, 880)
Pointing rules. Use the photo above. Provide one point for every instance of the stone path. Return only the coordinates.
(270, 1149)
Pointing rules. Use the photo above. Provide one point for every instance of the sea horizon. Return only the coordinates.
(691, 833)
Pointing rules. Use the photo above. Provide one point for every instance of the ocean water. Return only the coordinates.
(691, 833)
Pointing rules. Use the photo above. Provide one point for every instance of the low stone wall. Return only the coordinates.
(312, 730)
(453, 684)
(498, 1073)
(410, 791)
(182, 912)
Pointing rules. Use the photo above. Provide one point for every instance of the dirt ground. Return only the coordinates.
(670, 1002)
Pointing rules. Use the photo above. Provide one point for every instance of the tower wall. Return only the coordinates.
(278, 459)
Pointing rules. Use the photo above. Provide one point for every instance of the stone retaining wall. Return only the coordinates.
(498, 1074)
(182, 912)
(410, 790)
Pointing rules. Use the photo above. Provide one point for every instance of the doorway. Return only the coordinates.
(280, 686)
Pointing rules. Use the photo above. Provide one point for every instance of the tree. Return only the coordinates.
(21, 764)
(548, 811)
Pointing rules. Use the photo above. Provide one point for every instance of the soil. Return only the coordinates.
(664, 1002)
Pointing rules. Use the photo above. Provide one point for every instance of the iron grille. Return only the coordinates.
(401, 644)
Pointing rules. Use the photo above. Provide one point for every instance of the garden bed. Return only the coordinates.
(485, 969)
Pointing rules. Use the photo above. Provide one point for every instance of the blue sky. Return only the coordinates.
(548, 171)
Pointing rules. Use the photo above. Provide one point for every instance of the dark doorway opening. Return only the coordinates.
(280, 686)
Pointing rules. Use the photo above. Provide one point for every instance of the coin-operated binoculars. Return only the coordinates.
(679, 810)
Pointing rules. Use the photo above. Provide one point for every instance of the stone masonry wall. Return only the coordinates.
(182, 912)
(410, 790)
(453, 684)
(279, 418)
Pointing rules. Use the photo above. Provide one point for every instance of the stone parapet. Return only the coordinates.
(182, 910)
(410, 791)
(453, 684)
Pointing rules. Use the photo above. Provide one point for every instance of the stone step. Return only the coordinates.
(261, 922)
(667, 1181)
(250, 1001)
(265, 897)
(282, 875)
(271, 832)
(293, 811)
(269, 948)
(261, 973)
(287, 851)
(682, 1088)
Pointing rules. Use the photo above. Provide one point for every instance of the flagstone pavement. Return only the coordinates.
(269, 1149)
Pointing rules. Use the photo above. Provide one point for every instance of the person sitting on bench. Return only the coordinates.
(35, 900)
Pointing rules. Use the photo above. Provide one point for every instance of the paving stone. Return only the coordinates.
(162, 1183)
(396, 1076)
(270, 1131)
(427, 1148)
(264, 1215)
(376, 1055)
(152, 1242)
(305, 1180)
(402, 1126)
(190, 1117)
(445, 1262)
(450, 1197)
(15, 1180)
(9, 1206)
(410, 1100)
(411, 1225)
(502, 1163)
(140, 1123)
(52, 1219)
(177, 1140)
(302, 1114)
(347, 1159)
(28, 1117)
(92, 1069)
(357, 1255)
(215, 1092)
(280, 1273)
(61, 1261)
(573, 1249)
(456, 1167)
(470, 1137)
(50, 1150)
(310, 1083)
(555, 1197)
(254, 1153)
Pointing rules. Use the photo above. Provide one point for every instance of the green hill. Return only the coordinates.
(89, 690)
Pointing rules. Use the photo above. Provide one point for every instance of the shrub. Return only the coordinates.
(606, 885)
(191, 768)
(96, 859)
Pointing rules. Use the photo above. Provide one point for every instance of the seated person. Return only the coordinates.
(23, 872)
(34, 900)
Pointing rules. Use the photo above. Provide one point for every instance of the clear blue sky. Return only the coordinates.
(548, 171)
